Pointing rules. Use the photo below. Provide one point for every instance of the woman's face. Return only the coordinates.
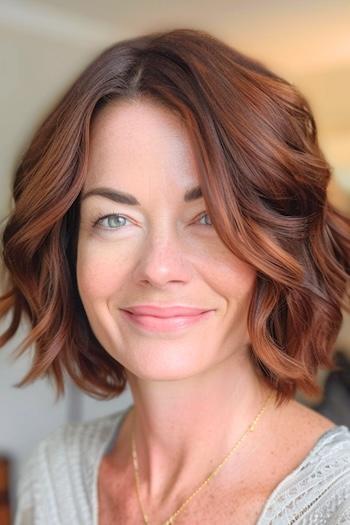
(162, 251)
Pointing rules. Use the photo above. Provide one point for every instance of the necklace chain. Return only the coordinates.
(171, 520)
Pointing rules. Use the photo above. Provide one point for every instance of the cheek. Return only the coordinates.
(237, 283)
(99, 270)
(231, 277)
(238, 280)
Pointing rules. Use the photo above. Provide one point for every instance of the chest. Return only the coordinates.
(116, 513)
(118, 504)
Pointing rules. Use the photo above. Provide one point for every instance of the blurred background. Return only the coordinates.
(44, 45)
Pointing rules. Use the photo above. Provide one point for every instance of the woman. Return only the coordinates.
(171, 230)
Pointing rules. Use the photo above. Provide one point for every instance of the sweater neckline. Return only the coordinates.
(117, 420)
(319, 443)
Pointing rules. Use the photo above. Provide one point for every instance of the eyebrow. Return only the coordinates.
(126, 198)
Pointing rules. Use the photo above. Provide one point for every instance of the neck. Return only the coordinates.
(184, 428)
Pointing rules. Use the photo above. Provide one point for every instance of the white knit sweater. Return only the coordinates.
(58, 482)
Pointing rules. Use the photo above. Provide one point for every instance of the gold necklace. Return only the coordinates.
(171, 520)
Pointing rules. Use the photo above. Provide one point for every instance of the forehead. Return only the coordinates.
(138, 143)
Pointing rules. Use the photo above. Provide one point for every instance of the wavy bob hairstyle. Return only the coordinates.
(264, 180)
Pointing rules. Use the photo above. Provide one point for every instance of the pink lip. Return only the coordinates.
(157, 311)
(164, 324)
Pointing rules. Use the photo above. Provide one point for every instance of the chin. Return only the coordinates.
(165, 369)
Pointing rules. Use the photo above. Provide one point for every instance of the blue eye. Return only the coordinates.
(112, 221)
(203, 215)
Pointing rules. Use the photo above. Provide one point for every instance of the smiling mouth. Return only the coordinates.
(164, 324)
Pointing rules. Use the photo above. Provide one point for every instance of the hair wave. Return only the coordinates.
(264, 180)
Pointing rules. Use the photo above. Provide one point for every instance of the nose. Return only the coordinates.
(163, 259)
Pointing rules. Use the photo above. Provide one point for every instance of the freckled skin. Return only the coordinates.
(195, 391)
(159, 256)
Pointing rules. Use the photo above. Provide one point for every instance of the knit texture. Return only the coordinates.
(58, 482)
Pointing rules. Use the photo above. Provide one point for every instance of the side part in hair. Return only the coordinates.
(264, 180)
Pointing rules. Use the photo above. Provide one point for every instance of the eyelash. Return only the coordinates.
(97, 223)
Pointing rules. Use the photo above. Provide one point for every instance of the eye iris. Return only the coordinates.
(113, 220)
(206, 215)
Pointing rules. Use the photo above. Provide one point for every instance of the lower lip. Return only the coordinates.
(159, 324)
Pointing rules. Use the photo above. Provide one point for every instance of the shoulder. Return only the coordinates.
(72, 442)
(319, 488)
(60, 469)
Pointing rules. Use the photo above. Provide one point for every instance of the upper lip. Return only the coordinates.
(168, 311)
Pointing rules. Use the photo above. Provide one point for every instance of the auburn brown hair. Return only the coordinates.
(264, 180)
